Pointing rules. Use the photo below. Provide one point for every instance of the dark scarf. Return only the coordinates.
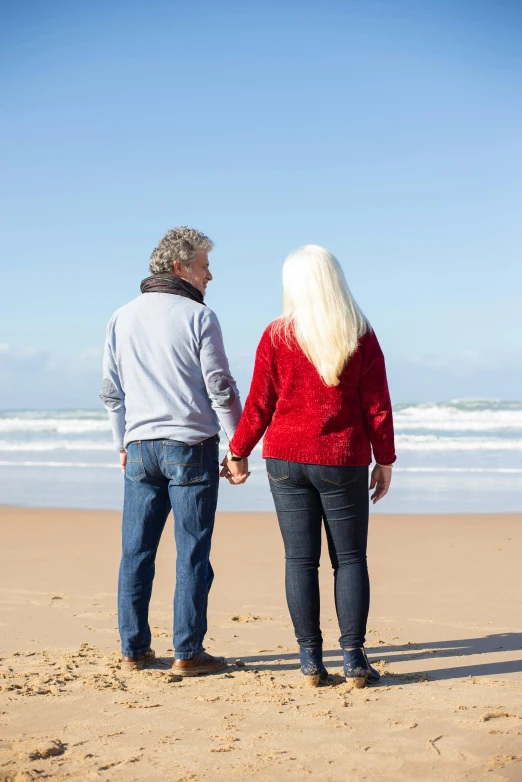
(169, 283)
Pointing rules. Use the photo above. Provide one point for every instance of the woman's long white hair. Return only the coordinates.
(320, 311)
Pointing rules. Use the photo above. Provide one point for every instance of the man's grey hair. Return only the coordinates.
(180, 244)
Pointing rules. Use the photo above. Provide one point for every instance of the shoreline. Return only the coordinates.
(373, 513)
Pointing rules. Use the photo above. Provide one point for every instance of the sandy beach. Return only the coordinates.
(444, 629)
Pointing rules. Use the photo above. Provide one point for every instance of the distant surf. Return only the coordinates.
(455, 425)
(463, 454)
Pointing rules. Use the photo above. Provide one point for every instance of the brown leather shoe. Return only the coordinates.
(137, 663)
(199, 665)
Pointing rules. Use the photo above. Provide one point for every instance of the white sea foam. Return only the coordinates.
(432, 442)
(56, 445)
(404, 442)
(58, 464)
(430, 427)
(459, 469)
(459, 417)
(438, 444)
(71, 445)
(55, 425)
(259, 468)
(474, 415)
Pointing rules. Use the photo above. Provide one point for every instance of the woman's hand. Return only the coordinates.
(380, 481)
(123, 460)
(235, 472)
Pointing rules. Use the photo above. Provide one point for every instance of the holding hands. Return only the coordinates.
(235, 470)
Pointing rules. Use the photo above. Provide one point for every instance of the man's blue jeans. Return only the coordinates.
(160, 475)
(305, 496)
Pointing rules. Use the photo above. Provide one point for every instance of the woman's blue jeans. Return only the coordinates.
(160, 475)
(304, 496)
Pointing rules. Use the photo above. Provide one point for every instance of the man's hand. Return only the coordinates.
(380, 480)
(235, 472)
(123, 460)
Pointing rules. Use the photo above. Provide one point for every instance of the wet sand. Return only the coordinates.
(445, 630)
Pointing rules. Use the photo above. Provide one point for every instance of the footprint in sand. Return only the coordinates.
(251, 618)
(495, 715)
(47, 748)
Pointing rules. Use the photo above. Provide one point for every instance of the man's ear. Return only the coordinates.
(177, 268)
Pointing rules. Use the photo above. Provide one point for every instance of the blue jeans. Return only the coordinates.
(160, 475)
(304, 495)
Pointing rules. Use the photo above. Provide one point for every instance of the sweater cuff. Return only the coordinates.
(237, 450)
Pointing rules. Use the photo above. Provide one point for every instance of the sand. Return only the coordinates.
(444, 627)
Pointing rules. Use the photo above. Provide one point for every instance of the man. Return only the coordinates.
(167, 387)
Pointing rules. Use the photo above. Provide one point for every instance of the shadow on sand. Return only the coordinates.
(502, 642)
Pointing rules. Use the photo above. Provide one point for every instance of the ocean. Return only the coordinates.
(453, 457)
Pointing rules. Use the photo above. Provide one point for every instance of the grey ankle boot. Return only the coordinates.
(357, 668)
(312, 666)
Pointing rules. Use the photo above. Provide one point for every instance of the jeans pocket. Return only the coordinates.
(183, 463)
(134, 468)
(338, 475)
(277, 469)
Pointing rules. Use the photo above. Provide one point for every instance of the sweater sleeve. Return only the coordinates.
(375, 401)
(260, 403)
(221, 386)
(112, 394)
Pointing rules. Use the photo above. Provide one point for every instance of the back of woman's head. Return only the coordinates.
(319, 311)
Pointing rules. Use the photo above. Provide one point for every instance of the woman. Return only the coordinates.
(319, 390)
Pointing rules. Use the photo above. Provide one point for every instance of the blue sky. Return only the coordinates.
(389, 131)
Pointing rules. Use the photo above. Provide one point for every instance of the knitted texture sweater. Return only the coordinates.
(309, 422)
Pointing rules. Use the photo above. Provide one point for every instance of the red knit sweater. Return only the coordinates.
(307, 421)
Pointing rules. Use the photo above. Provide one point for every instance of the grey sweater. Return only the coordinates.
(165, 372)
